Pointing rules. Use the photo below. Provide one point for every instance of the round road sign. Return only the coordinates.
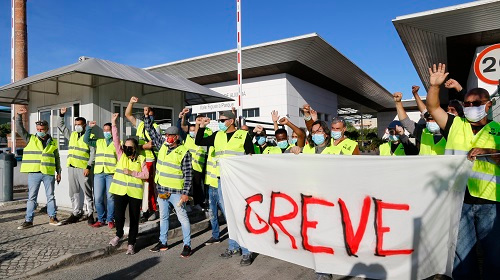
(487, 65)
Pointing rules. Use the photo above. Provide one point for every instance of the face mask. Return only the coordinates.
(170, 140)
(129, 151)
(475, 114)
(78, 128)
(41, 134)
(318, 139)
(393, 138)
(283, 144)
(107, 135)
(433, 127)
(222, 126)
(192, 134)
(261, 140)
(293, 141)
(336, 134)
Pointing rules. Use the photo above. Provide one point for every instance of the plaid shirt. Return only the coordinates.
(186, 166)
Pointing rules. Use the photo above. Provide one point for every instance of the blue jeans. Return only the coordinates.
(181, 216)
(216, 199)
(102, 182)
(34, 181)
(479, 222)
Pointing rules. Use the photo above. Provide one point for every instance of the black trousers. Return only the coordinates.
(134, 210)
(198, 193)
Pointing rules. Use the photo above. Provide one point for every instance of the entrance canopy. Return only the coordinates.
(93, 72)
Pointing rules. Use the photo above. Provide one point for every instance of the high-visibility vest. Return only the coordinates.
(211, 171)
(346, 147)
(124, 184)
(169, 167)
(140, 133)
(105, 157)
(78, 151)
(197, 152)
(233, 147)
(484, 179)
(328, 150)
(385, 150)
(272, 150)
(427, 145)
(36, 158)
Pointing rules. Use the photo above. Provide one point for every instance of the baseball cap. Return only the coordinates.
(172, 130)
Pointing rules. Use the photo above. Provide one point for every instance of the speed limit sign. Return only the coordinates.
(487, 65)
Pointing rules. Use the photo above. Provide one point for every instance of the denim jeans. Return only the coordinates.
(478, 224)
(181, 216)
(215, 200)
(34, 181)
(102, 182)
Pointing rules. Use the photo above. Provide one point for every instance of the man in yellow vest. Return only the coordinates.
(104, 169)
(479, 139)
(399, 143)
(80, 160)
(342, 145)
(226, 142)
(41, 162)
(173, 180)
(147, 150)
(426, 132)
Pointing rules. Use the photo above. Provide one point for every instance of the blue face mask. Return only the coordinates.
(107, 134)
(318, 139)
(293, 141)
(261, 140)
(393, 138)
(283, 144)
(336, 134)
(222, 126)
(433, 127)
(41, 134)
(192, 134)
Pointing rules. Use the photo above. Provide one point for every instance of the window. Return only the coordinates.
(50, 115)
(320, 116)
(211, 115)
(249, 113)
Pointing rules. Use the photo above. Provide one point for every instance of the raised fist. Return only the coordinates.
(307, 109)
(63, 111)
(134, 99)
(114, 117)
(22, 110)
(284, 121)
(414, 89)
(92, 123)
(398, 96)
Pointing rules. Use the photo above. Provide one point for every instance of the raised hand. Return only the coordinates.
(63, 111)
(296, 150)
(451, 83)
(181, 114)
(400, 130)
(22, 110)
(114, 117)
(437, 74)
(134, 99)
(307, 109)
(284, 121)
(198, 121)
(92, 123)
(314, 115)
(414, 89)
(275, 116)
(397, 96)
(204, 122)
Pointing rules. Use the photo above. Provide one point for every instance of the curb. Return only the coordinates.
(149, 236)
(14, 202)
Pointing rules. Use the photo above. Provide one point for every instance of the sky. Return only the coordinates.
(147, 33)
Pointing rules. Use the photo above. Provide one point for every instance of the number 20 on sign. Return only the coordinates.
(487, 65)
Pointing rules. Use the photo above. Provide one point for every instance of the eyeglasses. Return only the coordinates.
(222, 120)
(476, 103)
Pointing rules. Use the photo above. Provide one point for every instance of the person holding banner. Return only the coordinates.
(127, 186)
(226, 142)
(282, 135)
(479, 139)
(399, 144)
(261, 144)
(342, 145)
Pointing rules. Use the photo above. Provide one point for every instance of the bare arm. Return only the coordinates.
(128, 111)
(275, 117)
(399, 106)
(301, 136)
(438, 75)
(184, 127)
(420, 103)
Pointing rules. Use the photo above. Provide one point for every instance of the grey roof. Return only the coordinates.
(308, 57)
(426, 35)
(94, 72)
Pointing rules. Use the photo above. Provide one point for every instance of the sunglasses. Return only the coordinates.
(222, 120)
(476, 103)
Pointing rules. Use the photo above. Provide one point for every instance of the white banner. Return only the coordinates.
(377, 217)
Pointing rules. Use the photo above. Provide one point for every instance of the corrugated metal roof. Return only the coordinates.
(93, 67)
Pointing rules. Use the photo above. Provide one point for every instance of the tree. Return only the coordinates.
(4, 129)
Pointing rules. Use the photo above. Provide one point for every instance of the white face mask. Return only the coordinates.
(475, 114)
(78, 128)
(433, 127)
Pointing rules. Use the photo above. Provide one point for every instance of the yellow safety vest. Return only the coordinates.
(328, 150)
(105, 157)
(197, 152)
(484, 179)
(78, 151)
(272, 150)
(124, 184)
(223, 148)
(140, 133)
(168, 167)
(346, 147)
(36, 158)
(385, 150)
(428, 147)
(211, 172)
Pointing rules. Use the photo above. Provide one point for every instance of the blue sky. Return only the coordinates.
(146, 33)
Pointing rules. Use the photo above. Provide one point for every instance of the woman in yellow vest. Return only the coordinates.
(479, 139)
(104, 169)
(127, 186)
(399, 144)
(41, 162)
(319, 139)
(298, 135)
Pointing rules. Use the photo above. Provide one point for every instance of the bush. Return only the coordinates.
(4, 129)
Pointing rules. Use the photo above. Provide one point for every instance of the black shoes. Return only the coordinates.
(90, 220)
(246, 260)
(159, 247)
(72, 219)
(230, 253)
(186, 251)
(25, 225)
(212, 241)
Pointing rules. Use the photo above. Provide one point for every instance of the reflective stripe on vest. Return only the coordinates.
(197, 152)
(140, 133)
(78, 151)
(211, 172)
(124, 184)
(168, 168)
(233, 147)
(385, 150)
(36, 158)
(429, 147)
(105, 157)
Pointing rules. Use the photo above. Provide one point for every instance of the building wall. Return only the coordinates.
(385, 118)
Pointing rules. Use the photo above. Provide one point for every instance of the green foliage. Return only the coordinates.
(4, 129)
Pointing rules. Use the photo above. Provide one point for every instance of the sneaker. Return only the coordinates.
(155, 216)
(72, 219)
(230, 253)
(246, 260)
(212, 241)
(25, 225)
(97, 224)
(111, 225)
(323, 276)
(186, 251)
(130, 250)
(159, 247)
(54, 221)
(144, 217)
(90, 220)
(114, 242)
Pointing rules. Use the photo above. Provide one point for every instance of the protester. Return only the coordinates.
(341, 145)
(226, 142)
(479, 139)
(319, 139)
(104, 169)
(282, 135)
(399, 144)
(80, 160)
(147, 150)
(426, 131)
(261, 145)
(41, 161)
(127, 186)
